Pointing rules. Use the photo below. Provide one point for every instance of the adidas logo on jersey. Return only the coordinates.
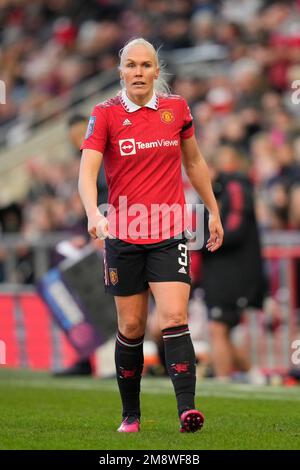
(126, 122)
(182, 270)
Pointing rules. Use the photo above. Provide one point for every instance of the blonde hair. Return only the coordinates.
(160, 84)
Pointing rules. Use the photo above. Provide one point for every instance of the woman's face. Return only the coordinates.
(138, 70)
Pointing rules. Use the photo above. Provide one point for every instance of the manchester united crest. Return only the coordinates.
(167, 116)
(113, 276)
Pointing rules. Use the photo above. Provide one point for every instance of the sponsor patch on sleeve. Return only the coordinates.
(90, 127)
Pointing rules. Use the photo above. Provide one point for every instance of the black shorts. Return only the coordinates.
(128, 268)
(229, 315)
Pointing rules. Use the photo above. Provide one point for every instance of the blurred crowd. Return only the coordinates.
(250, 107)
(49, 46)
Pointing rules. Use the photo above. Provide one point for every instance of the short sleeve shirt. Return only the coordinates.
(142, 162)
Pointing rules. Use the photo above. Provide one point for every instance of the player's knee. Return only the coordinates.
(174, 318)
(132, 329)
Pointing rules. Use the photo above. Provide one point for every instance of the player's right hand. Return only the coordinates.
(98, 226)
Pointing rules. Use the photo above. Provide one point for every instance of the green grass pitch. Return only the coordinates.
(40, 412)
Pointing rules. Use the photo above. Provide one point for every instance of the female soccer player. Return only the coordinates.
(141, 134)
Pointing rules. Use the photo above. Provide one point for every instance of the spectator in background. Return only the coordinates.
(10, 223)
(233, 279)
(76, 130)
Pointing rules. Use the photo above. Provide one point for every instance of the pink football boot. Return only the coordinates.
(191, 421)
(130, 424)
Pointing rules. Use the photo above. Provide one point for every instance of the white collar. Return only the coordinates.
(130, 106)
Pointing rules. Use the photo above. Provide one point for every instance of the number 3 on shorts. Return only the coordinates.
(182, 260)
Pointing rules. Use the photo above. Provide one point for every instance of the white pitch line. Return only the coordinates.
(164, 387)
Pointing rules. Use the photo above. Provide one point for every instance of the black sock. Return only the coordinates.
(161, 354)
(180, 361)
(129, 359)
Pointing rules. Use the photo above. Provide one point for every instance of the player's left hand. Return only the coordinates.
(216, 233)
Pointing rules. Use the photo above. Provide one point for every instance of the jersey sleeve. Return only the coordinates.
(187, 130)
(97, 131)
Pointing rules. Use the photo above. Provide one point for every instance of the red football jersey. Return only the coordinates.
(142, 162)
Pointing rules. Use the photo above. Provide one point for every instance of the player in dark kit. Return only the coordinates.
(143, 136)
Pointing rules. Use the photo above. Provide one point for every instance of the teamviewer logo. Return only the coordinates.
(127, 147)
